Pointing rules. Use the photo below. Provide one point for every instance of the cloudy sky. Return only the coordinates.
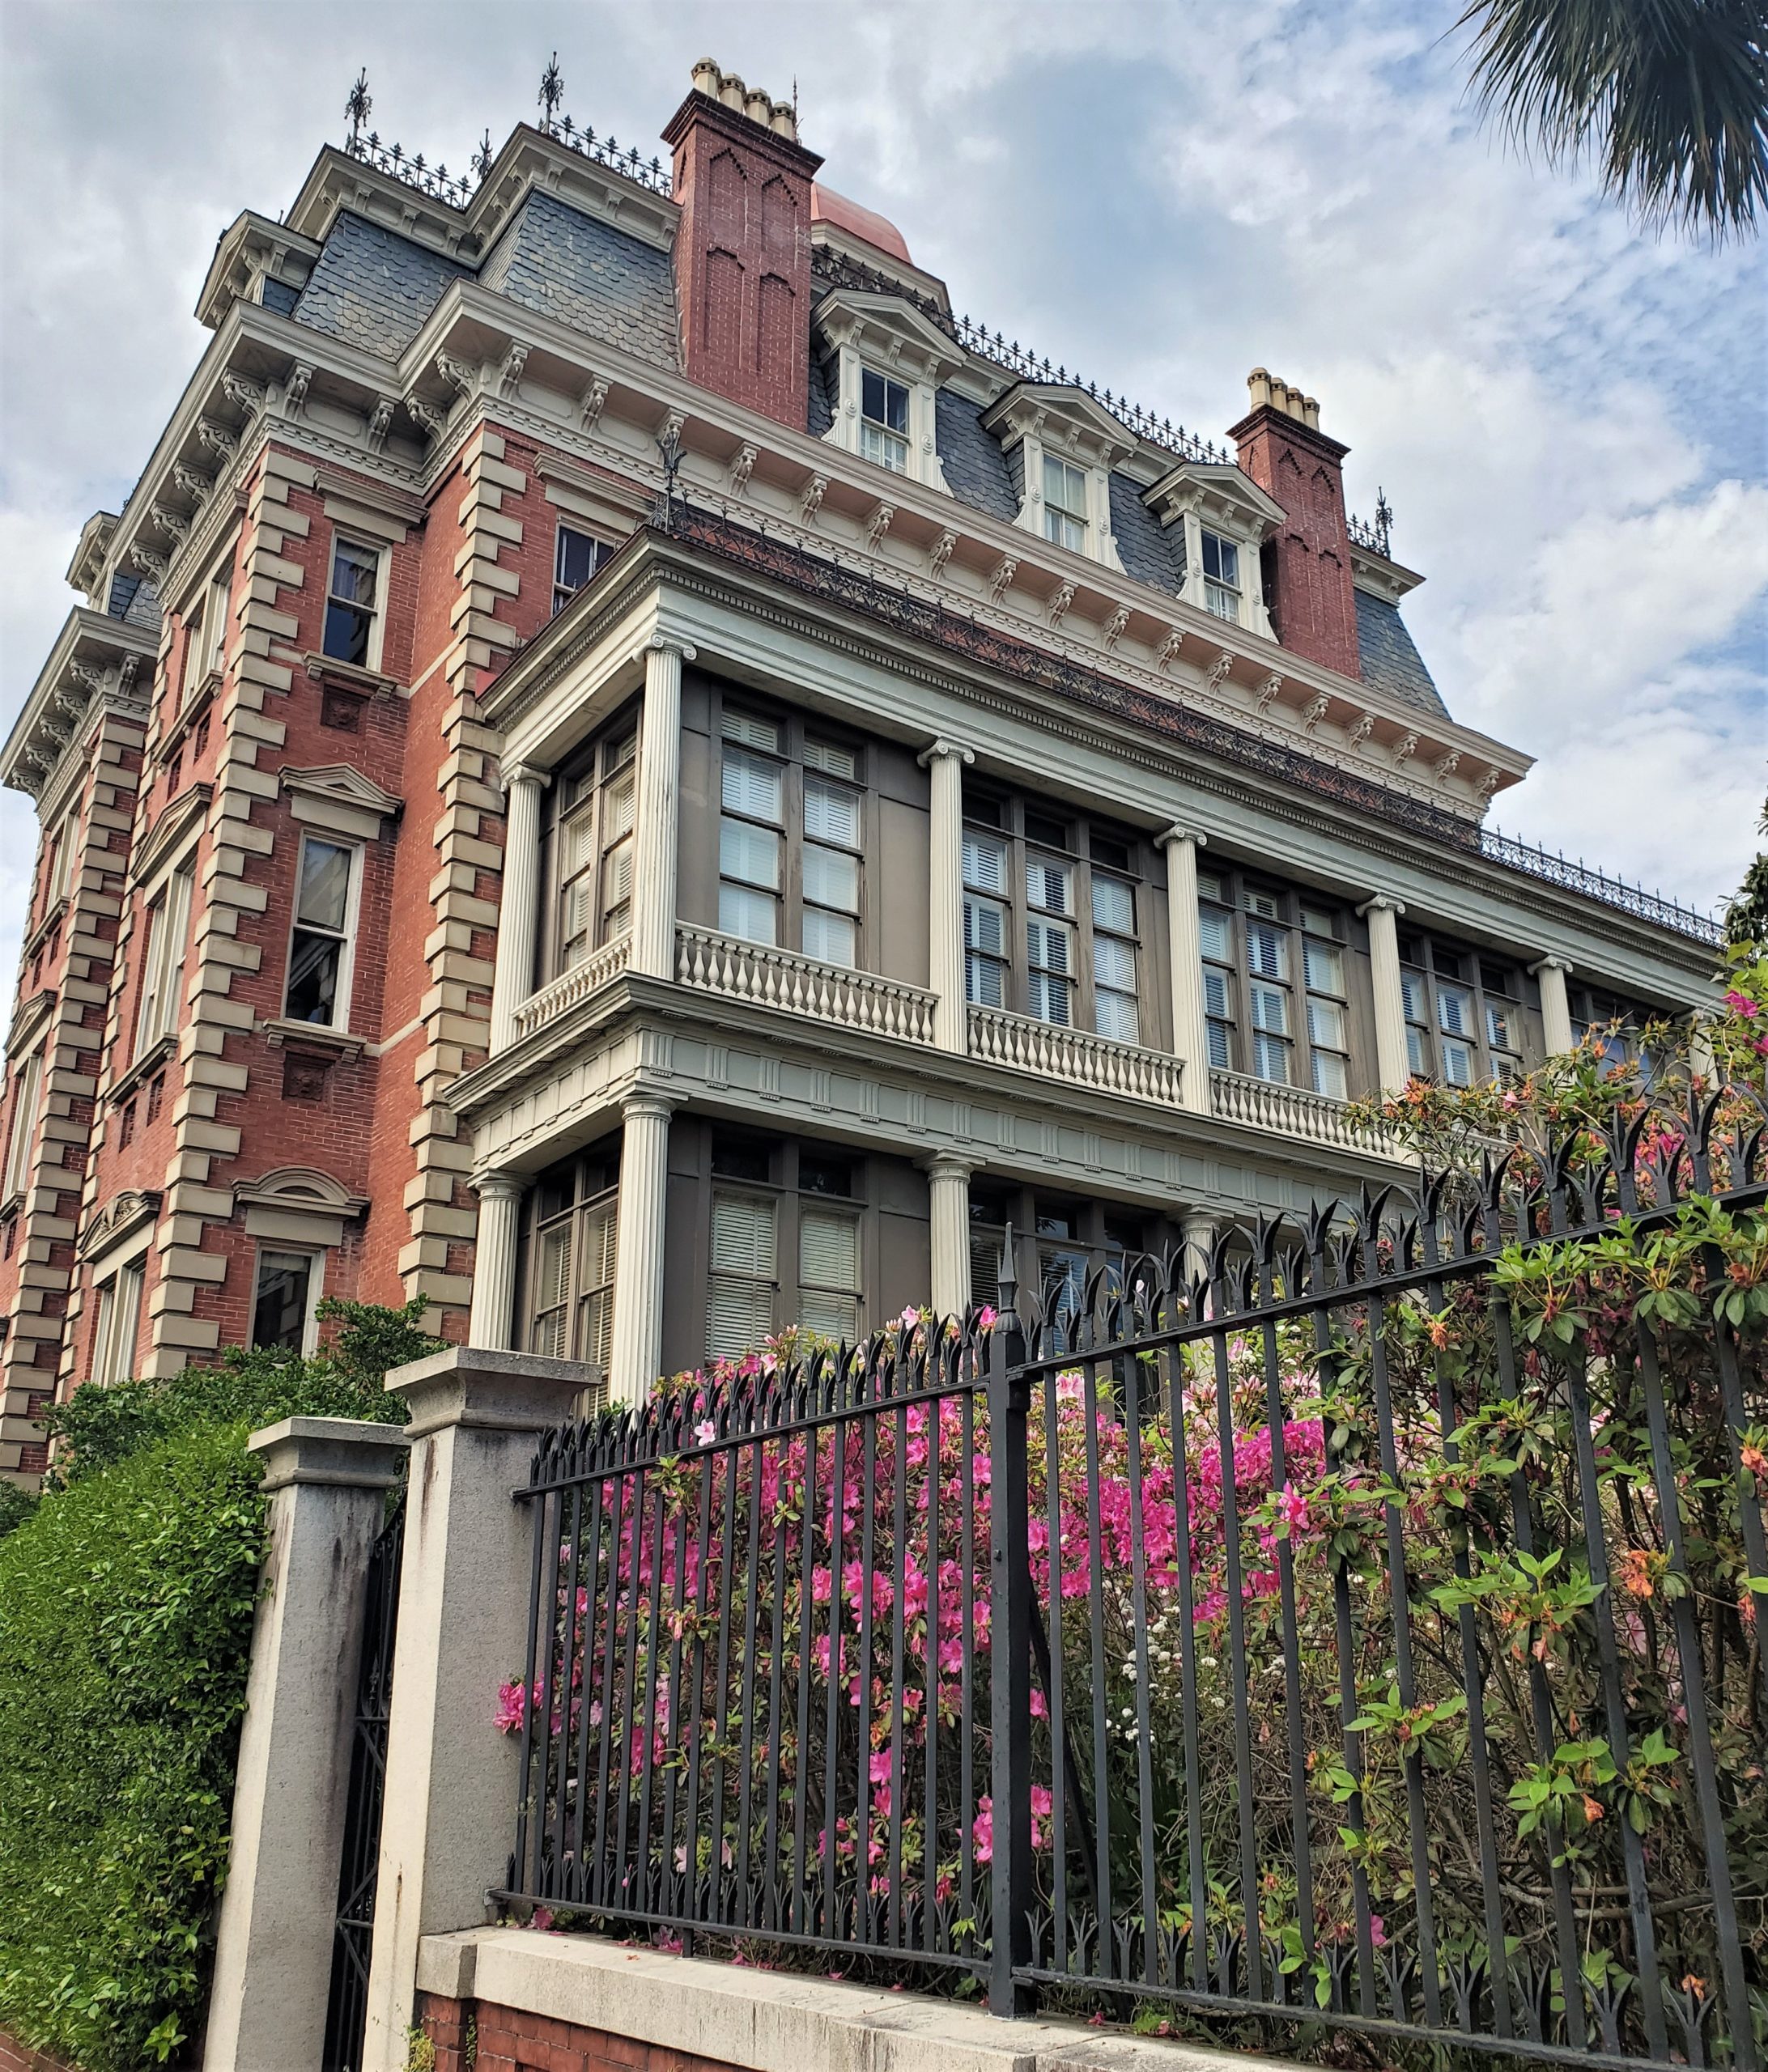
(1568, 417)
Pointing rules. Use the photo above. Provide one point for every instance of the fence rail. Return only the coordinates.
(1321, 1635)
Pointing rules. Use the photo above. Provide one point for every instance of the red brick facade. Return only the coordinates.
(1313, 606)
(509, 2040)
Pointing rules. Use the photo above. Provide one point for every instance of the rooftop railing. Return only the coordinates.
(1498, 847)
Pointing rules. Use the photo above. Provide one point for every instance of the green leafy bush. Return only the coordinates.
(126, 1602)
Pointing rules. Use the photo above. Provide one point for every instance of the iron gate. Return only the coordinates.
(347, 2005)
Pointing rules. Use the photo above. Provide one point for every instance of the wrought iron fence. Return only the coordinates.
(1357, 1627)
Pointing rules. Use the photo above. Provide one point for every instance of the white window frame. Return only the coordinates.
(66, 840)
(315, 1256)
(27, 1111)
(859, 333)
(346, 966)
(119, 1321)
(1221, 599)
(1059, 517)
(341, 535)
(877, 436)
(167, 919)
(602, 552)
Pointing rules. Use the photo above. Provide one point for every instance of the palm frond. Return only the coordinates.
(1668, 98)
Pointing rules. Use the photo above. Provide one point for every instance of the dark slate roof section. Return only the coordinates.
(975, 467)
(134, 600)
(280, 297)
(1147, 549)
(1390, 662)
(588, 275)
(372, 287)
(819, 408)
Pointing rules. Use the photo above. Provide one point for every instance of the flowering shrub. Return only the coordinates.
(1410, 1637)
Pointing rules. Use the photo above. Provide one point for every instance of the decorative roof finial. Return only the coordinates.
(482, 158)
(357, 107)
(1383, 523)
(552, 91)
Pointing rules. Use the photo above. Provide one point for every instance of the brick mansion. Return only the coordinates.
(624, 770)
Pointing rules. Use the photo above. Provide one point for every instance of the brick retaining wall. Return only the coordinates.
(510, 2039)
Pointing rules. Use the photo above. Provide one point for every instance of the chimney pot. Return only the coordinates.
(733, 93)
(757, 106)
(707, 78)
(1310, 412)
(1258, 385)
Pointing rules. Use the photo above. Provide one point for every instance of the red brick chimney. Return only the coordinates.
(742, 247)
(1306, 567)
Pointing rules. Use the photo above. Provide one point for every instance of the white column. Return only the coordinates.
(659, 808)
(637, 1356)
(326, 1479)
(518, 912)
(944, 763)
(451, 1777)
(491, 1320)
(1555, 1008)
(1184, 953)
(948, 1204)
(1390, 1058)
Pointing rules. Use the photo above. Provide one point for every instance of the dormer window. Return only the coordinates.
(1220, 576)
(1064, 503)
(884, 421)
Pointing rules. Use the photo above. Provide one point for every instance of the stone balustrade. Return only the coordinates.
(714, 963)
(1075, 1055)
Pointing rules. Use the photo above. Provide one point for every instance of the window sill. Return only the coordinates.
(281, 1033)
(143, 1069)
(189, 713)
(328, 670)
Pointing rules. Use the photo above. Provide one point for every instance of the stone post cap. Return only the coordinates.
(491, 1391)
(342, 1452)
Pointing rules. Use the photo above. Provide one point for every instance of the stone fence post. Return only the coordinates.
(327, 1480)
(450, 1810)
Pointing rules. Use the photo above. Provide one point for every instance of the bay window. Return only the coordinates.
(786, 1242)
(1462, 1013)
(593, 843)
(791, 837)
(1058, 1243)
(1050, 917)
(572, 1224)
(1275, 998)
(321, 940)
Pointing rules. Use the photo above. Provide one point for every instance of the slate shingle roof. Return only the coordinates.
(819, 411)
(1389, 660)
(975, 467)
(588, 275)
(372, 287)
(1146, 547)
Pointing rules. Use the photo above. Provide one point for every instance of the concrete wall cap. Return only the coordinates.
(776, 2021)
(348, 1452)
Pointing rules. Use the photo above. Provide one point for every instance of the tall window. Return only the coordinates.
(162, 985)
(576, 556)
(1274, 988)
(791, 838)
(284, 1301)
(884, 421)
(353, 603)
(1617, 1022)
(1058, 1244)
(596, 807)
(1050, 917)
(1463, 1026)
(27, 1097)
(1221, 576)
(207, 650)
(786, 1226)
(319, 955)
(574, 1226)
(67, 843)
(1064, 503)
(119, 1319)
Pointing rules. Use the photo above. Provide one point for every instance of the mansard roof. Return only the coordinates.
(555, 259)
(1390, 662)
(372, 287)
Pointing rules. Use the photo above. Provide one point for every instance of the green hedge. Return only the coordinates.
(126, 1602)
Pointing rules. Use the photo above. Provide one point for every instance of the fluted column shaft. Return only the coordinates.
(636, 1359)
(518, 913)
(1390, 1058)
(1184, 953)
(1555, 1005)
(491, 1321)
(944, 763)
(948, 1204)
(658, 813)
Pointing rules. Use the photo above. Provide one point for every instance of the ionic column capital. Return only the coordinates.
(940, 750)
(490, 1186)
(646, 1106)
(1553, 961)
(670, 644)
(1179, 832)
(1382, 902)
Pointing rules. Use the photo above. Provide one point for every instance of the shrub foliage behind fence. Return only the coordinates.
(1362, 1625)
